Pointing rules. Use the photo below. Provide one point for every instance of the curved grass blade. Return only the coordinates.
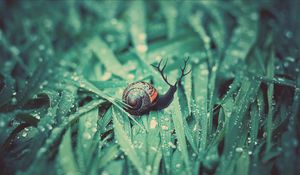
(87, 128)
(66, 156)
(126, 144)
(137, 18)
(107, 57)
(179, 130)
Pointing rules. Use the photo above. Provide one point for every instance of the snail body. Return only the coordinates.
(141, 97)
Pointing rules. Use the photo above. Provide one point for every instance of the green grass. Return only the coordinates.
(65, 64)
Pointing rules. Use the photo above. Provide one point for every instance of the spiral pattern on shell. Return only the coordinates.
(141, 96)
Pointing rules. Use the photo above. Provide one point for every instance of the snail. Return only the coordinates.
(141, 97)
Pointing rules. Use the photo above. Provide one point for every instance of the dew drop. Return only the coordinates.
(14, 100)
(164, 127)
(87, 136)
(2, 123)
(142, 48)
(24, 134)
(239, 149)
(153, 124)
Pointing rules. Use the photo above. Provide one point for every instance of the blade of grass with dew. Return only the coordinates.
(126, 144)
(115, 167)
(108, 154)
(156, 163)
(7, 91)
(154, 153)
(6, 132)
(73, 17)
(289, 162)
(104, 85)
(107, 57)
(142, 139)
(126, 123)
(211, 97)
(200, 83)
(87, 127)
(178, 165)
(217, 27)
(179, 130)
(242, 40)
(188, 91)
(245, 96)
(166, 139)
(254, 122)
(46, 151)
(195, 22)
(34, 82)
(137, 18)
(14, 51)
(66, 102)
(183, 102)
(270, 92)
(233, 88)
(27, 118)
(227, 107)
(274, 80)
(52, 95)
(236, 133)
(242, 165)
(139, 141)
(66, 156)
(186, 43)
(170, 13)
(177, 46)
(105, 120)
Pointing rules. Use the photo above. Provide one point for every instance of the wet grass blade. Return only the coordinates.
(107, 57)
(137, 17)
(66, 156)
(270, 92)
(87, 127)
(166, 139)
(200, 94)
(179, 130)
(126, 144)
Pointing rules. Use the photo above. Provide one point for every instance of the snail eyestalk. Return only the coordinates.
(161, 71)
(165, 100)
(183, 70)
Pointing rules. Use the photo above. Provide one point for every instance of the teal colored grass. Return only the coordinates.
(65, 64)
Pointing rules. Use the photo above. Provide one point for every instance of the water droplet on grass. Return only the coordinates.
(239, 149)
(24, 134)
(153, 124)
(164, 127)
(87, 136)
(142, 48)
(2, 123)
(14, 100)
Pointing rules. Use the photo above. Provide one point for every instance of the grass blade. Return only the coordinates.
(126, 144)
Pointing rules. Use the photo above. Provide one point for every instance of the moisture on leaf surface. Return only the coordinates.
(65, 64)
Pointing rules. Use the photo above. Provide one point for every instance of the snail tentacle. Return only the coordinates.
(161, 70)
(183, 73)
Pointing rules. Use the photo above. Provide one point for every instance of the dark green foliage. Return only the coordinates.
(65, 64)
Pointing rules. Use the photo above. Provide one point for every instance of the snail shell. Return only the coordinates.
(141, 97)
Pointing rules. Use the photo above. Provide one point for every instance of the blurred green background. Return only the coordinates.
(64, 65)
